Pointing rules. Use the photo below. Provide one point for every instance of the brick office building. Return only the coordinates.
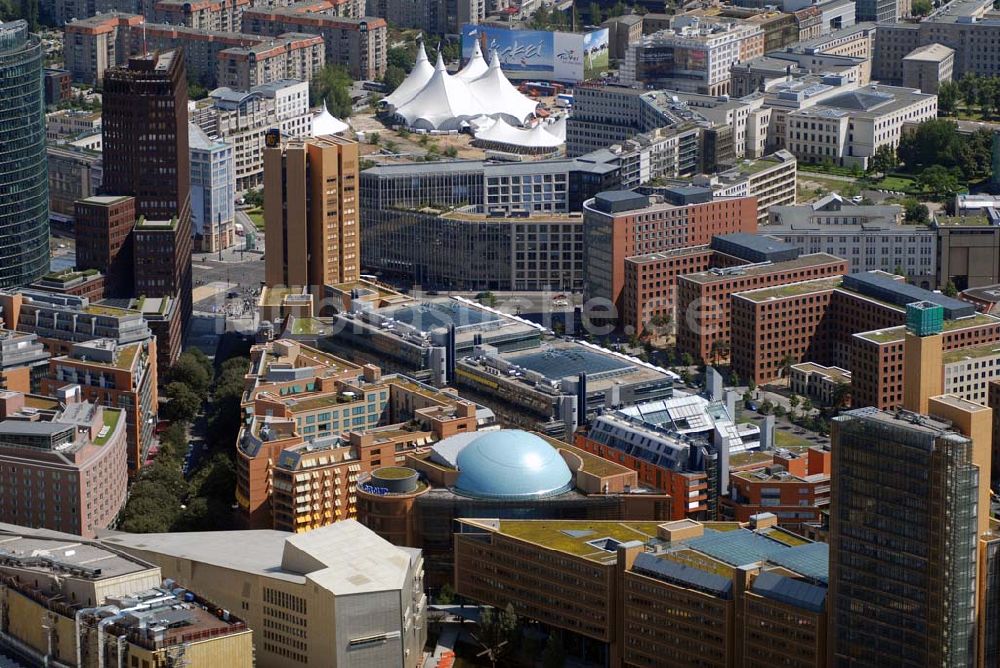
(622, 224)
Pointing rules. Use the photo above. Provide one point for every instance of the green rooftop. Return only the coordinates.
(962, 221)
(757, 166)
(572, 537)
(111, 417)
(893, 334)
(792, 289)
(700, 561)
(960, 354)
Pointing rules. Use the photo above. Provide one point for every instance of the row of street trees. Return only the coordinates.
(162, 499)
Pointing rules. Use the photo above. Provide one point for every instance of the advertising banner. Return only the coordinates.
(539, 54)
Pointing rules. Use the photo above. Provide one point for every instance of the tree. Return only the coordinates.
(933, 142)
(950, 290)
(332, 85)
(595, 13)
(487, 298)
(807, 405)
(884, 160)
(400, 57)
(497, 633)
(916, 212)
(720, 349)
(940, 180)
(451, 152)
(841, 395)
(921, 7)
(948, 95)
(393, 77)
(193, 371)
(184, 402)
(687, 360)
(794, 401)
(447, 595)
(779, 410)
(751, 386)
(554, 655)
(786, 365)
(766, 407)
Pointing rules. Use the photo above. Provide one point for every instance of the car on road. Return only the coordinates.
(751, 406)
(233, 295)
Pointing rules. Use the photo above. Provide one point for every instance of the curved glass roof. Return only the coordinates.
(511, 464)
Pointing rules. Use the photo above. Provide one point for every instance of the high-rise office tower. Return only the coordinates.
(910, 535)
(24, 175)
(146, 156)
(311, 213)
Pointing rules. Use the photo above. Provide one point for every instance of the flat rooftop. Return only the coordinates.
(577, 537)
(65, 555)
(932, 53)
(892, 334)
(834, 373)
(729, 273)
(792, 289)
(989, 293)
(977, 352)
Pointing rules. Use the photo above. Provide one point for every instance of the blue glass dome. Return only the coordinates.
(511, 464)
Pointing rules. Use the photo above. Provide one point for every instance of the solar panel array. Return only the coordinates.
(687, 576)
(788, 590)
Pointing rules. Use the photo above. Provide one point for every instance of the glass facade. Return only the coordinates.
(902, 543)
(24, 177)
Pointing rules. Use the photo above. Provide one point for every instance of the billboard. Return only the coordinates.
(539, 54)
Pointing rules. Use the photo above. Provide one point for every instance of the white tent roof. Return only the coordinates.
(325, 123)
(414, 82)
(557, 129)
(503, 96)
(476, 67)
(442, 104)
(502, 132)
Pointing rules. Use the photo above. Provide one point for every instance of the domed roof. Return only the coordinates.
(511, 464)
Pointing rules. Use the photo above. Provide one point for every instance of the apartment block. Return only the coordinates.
(121, 377)
(622, 224)
(104, 240)
(92, 45)
(225, 15)
(433, 18)
(699, 52)
(311, 216)
(317, 423)
(794, 487)
(335, 597)
(64, 462)
(70, 611)
(704, 299)
(243, 118)
(357, 43)
(291, 56)
(869, 237)
(633, 593)
(771, 179)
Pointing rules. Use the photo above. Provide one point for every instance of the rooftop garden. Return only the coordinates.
(111, 417)
(792, 289)
(572, 537)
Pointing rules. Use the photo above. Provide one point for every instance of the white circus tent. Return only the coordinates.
(414, 82)
(442, 104)
(504, 98)
(325, 123)
(539, 139)
(476, 67)
(445, 102)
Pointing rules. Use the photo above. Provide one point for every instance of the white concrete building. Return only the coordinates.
(213, 191)
(847, 129)
(869, 237)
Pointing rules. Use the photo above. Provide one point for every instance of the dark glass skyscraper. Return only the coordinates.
(24, 175)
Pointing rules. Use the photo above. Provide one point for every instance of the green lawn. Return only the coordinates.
(257, 217)
(786, 439)
(110, 421)
(898, 183)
